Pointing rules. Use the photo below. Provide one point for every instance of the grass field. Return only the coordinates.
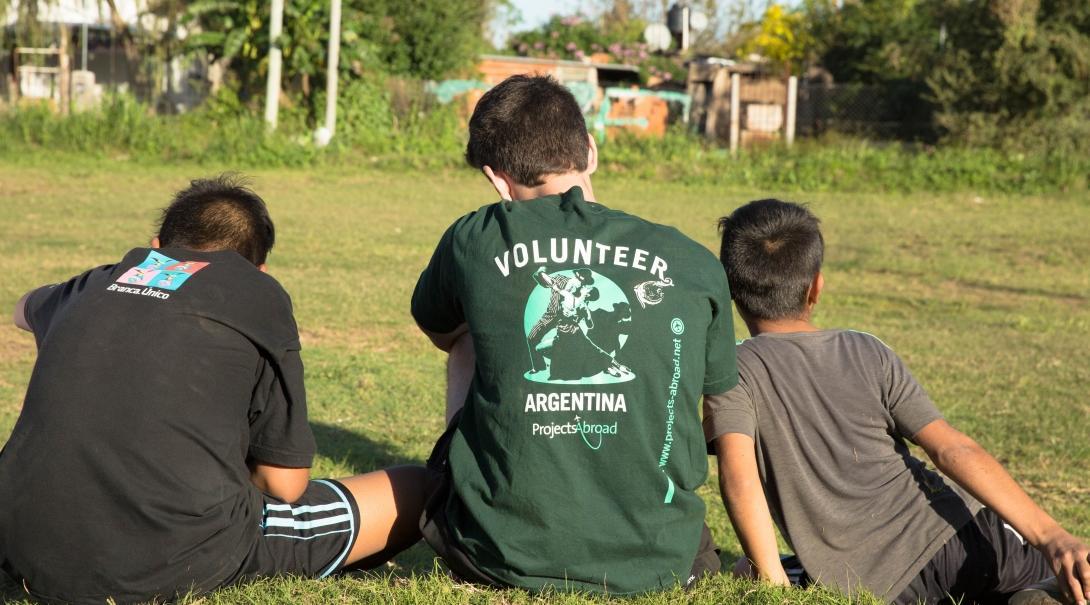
(986, 298)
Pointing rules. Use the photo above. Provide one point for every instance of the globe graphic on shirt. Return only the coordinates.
(576, 322)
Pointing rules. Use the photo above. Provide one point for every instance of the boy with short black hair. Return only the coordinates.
(163, 445)
(581, 339)
(814, 437)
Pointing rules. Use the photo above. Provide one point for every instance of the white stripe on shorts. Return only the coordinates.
(307, 508)
(352, 526)
(292, 523)
(310, 537)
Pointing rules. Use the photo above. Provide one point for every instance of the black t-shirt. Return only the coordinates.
(156, 379)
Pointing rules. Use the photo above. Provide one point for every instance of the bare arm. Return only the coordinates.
(964, 461)
(460, 365)
(740, 485)
(19, 316)
(282, 482)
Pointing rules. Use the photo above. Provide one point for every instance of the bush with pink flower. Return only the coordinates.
(578, 38)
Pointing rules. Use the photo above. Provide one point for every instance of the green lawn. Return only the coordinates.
(985, 297)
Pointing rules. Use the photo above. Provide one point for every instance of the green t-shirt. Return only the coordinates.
(576, 459)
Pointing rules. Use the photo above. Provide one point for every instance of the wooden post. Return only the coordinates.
(792, 109)
(735, 112)
(272, 84)
(64, 79)
(713, 106)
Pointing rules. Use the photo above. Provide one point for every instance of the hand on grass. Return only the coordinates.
(1070, 559)
(777, 576)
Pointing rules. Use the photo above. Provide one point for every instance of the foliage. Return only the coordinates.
(874, 41)
(428, 39)
(782, 37)
(1015, 74)
(394, 123)
(890, 44)
(409, 38)
(390, 120)
(845, 165)
(1011, 74)
(578, 38)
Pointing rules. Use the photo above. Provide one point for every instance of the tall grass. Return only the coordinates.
(373, 131)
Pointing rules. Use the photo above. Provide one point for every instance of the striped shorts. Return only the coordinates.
(311, 537)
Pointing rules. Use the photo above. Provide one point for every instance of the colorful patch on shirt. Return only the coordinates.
(160, 271)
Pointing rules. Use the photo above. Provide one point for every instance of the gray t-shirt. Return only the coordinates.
(830, 412)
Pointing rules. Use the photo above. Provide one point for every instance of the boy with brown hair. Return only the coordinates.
(573, 455)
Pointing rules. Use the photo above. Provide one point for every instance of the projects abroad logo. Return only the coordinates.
(592, 434)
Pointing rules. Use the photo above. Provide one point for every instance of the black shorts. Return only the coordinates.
(311, 537)
(434, 526)
(985, 562)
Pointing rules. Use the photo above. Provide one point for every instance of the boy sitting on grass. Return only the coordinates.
(813, 437)
(581, 339)
(163, 446)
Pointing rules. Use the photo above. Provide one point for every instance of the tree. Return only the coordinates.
(782, 37)
(1015, 73)
(413, 38)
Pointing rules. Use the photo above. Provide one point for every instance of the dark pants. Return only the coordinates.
(985, 562)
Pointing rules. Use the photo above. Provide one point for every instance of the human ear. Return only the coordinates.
(155, 242)
(592, 155)
(264, 268)
(816, 286)
(499, 182)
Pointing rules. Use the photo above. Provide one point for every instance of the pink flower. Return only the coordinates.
(523, 47)
(580, 54)
(539, 45)
(570, 46)
(595, 47)
(554, 34)
(667, 76)
(643, 54)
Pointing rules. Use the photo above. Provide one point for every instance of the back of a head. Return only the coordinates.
(219, 213)
(528, 127)
(772, 250)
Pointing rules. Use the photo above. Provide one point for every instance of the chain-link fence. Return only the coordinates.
(881, 112)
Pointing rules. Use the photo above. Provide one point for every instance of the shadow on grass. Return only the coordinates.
(357, 450)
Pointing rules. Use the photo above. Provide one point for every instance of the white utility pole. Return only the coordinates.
(685, 41)
(325, 133)
(272, 85)
(792, 109)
